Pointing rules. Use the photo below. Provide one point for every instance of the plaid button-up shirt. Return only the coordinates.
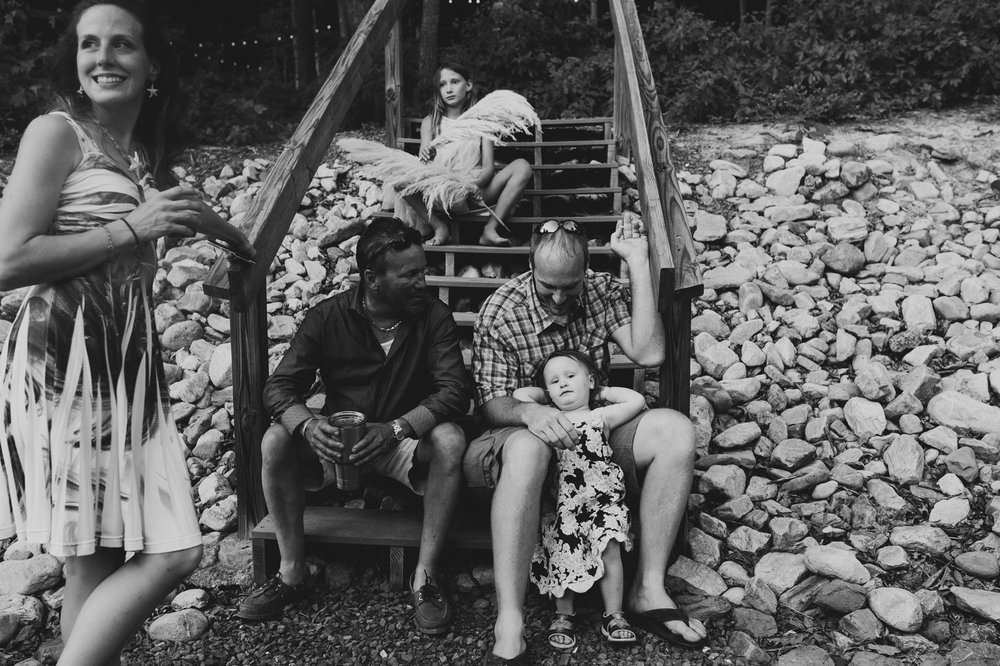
(513, 334)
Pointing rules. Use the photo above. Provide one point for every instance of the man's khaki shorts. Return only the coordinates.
(483, 462)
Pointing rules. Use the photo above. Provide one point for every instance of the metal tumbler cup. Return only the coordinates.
(352, 428)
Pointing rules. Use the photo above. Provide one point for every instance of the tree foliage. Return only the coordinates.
(827, 59)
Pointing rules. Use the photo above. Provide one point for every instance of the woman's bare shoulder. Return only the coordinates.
(49, 132)
(49, 144)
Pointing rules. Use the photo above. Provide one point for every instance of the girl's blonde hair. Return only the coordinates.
(438, 108)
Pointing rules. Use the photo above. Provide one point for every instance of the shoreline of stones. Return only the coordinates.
(845, 391)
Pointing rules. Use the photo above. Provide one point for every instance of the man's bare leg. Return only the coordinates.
(284, 492)
(668, 462)
(443, 448)
(514, 521)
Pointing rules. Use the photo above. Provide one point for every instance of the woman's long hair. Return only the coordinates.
(438, 107)
(159, 125)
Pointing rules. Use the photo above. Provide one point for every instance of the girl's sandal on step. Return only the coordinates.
(563, 627)
(616, 628)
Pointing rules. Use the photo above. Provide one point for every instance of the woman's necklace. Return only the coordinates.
(368, 316)
(135, 163)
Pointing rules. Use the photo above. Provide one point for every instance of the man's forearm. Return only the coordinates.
(647, 327)
(505, 411)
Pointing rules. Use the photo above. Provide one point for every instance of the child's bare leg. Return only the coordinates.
(442, 235)
(432, 227)
(613, 582)
(504, 191)
(560, 634)
(564, 604)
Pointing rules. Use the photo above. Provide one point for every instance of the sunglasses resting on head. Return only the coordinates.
(552, 226)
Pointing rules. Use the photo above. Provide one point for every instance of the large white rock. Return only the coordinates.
(963, 413)
(983, 603)
(835, 562)
(786, 181)
(780, 570)
(866, 418)
(897, 607)
(31, 576)
(698, 576)
(847, 229)
(918, 313)
(923, 538)
(709, 226)
(904, 459)
(728, 277)
(181, 626)
(949, 512)
(220, 369)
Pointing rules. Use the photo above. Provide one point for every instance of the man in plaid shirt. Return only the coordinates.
(561, 304)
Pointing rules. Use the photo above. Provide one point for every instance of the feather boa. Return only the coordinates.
(439, 187)
(498, 115)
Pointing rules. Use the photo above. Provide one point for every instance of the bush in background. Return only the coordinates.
(825, 59)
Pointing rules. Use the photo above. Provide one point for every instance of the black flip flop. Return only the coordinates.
(652, 621)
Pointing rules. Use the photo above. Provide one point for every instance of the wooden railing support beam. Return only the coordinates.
(393, 88)
(249, 349)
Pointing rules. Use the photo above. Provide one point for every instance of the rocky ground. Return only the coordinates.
(846, 385)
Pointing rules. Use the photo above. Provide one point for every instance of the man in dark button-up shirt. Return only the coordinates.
(389, 350)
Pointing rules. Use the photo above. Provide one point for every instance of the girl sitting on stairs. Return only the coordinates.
(455, 93)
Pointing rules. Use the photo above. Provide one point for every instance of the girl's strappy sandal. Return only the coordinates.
(616, 628)
(563, 626)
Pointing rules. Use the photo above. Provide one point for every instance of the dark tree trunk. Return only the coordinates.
(428, 48)
(304, 43)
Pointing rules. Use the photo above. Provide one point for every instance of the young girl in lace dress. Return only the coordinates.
(581, 538)
(455, 93)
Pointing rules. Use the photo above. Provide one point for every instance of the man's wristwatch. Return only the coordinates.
(397, 430)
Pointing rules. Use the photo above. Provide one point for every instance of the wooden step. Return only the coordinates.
(546, 122)
(574, 167)
(579, 219)
(469, 530)
(521, 250)
(572, 191)
(474, 283)
(582, 143)
(618, 361)
(365, 527)
(477, 283)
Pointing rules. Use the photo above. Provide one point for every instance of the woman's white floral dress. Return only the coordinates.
(589, 513)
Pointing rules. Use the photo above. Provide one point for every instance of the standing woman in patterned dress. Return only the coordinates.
(91, 463)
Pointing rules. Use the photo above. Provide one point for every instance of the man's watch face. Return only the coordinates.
(397, 431)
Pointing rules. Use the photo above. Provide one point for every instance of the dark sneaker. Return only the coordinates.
(431, 608)
(268, 601)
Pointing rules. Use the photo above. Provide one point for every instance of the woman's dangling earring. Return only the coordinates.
(80, 91)
(151, 90)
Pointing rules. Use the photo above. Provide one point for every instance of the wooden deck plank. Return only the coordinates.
(521, 250)
(576, 143)
(363, 527)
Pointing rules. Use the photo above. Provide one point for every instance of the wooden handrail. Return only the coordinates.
(271, 213)
(637, 111)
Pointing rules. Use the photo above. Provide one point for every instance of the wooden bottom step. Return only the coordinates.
(365, 527)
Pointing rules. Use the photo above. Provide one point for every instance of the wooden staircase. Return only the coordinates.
(575, 177)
